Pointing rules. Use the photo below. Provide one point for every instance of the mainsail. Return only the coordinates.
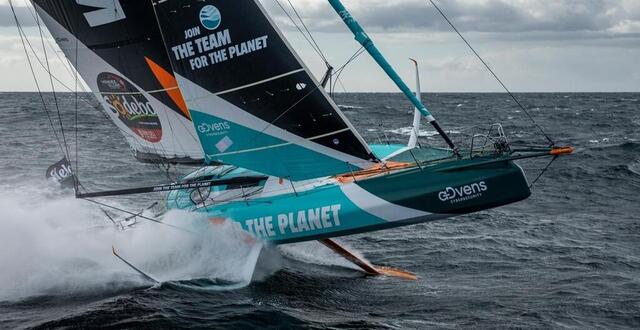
(116, 47)
(253, 102)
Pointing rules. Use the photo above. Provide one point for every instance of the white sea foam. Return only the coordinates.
(635, 167)
(345, 106)
(53, 244)
(318, 254)
(423, 133)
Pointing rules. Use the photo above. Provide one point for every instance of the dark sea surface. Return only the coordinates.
(568, 257)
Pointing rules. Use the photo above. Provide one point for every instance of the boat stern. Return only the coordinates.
(464, 188)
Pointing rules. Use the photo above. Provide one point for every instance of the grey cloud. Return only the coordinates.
(24, 16)
(496, 16)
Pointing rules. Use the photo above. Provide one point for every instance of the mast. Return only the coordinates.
(366, 42)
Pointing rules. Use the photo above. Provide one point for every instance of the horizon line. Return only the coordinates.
(398, 92)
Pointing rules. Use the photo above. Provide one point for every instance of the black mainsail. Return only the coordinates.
(251, 98)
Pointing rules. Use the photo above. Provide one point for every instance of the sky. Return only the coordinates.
(533, 45)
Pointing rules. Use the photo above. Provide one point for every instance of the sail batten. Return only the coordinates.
(278, 145)
(260, 82)
(251, 97)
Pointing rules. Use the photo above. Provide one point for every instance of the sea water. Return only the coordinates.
(566, 257)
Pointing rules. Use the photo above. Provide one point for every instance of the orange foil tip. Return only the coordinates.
(557, 151)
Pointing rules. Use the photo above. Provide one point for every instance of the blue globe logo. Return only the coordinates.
(210, 17)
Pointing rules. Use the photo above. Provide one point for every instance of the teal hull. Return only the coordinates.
(282, 212)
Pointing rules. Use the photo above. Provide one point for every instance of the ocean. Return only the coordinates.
(567, 257)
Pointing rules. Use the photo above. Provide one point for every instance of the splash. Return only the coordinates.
(406, 131)
(52, 244)
(635, 167)
(318, 254)
(46, 246)
(349, 107)
(219, 252)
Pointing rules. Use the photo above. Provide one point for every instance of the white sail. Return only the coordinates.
(116, 47)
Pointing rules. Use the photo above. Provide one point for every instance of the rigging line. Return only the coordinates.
(61, 83)
(51, 46)
(543, 172)
(140, 216)
(76, 168)
(187, 126)
(308, 32)
(339, 72)
(132, 139)
(341, 84)
(44, 103)
(48, 72)
(74, 73)
(493, 73)
(310, 92)
(159, 148)
(235, 198)
(176, 142)
(317, 50)
(53, 89)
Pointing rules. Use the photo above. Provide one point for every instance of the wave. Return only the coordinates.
(316, 253)
(634, 167)
(406, 131)
(627, 146)
(349, 107)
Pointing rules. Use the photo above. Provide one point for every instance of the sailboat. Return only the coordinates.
(280, 159)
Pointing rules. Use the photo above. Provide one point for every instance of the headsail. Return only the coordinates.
(252, 100)
(116, 47)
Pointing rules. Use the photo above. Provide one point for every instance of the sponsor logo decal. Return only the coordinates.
(463, 193)
(202, 51)
(211, 129)
(301, 221)
(131, 106)
(224, 144)
(60, 171)
(210, 17)
(110, 11)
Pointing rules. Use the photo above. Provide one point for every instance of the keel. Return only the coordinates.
(365, 265)
(143, 274)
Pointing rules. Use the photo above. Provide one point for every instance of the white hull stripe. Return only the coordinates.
(378, 207)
